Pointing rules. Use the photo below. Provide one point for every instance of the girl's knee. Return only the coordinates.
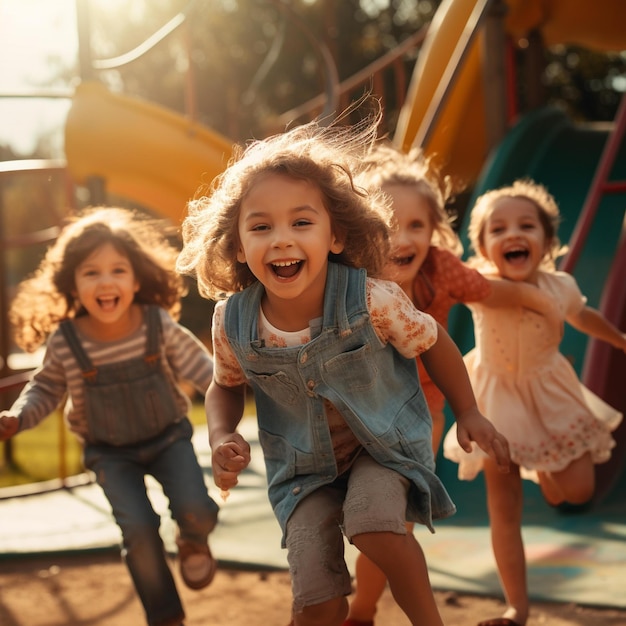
(196, 518)
(140, 532)
(578, 480)
(580, 492)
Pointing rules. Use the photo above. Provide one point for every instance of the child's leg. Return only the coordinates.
(369, 579)
(401, 558)
(121, 474)
(374, 520)
(574, 484)
(329, 613)
(195, 512)
(370, 585)
(505, 503)
(320, 579)
(180, 474)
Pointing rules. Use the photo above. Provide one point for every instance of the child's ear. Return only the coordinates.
(241, 255)
(337, 245)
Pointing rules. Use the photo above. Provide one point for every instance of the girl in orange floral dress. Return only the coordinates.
(425, 263)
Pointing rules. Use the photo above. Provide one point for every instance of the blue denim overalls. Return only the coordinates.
(138, 384)
(134, 430)
(374, 387)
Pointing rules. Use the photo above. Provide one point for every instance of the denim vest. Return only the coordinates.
(373, 386)
(126, 402)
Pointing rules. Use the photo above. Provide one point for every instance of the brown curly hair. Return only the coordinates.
(48, 296)
(326, 156)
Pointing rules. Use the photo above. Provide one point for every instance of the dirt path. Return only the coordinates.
(95, 590)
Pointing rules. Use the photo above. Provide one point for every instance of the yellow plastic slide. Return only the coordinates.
(459, 138)
(458, 141)
(143, 152)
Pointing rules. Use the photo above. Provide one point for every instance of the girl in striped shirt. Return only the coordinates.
(103, 299)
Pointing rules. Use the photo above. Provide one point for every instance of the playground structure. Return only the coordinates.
(460, 109)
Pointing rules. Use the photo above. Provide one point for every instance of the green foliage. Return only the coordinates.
(588, 84)
(251, 60)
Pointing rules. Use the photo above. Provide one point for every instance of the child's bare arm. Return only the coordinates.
(230, 451)
(591, 322)
(520, 294)
(444, 364)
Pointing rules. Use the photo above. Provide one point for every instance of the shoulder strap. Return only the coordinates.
(69, 332)
(241, 314)
(153, 331)
(344, 296)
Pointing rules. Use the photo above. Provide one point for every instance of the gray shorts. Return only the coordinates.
(371, 498)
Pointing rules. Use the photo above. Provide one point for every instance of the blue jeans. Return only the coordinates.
(120, 471)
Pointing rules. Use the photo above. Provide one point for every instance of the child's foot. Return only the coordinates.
(510, 618)
(196, 563)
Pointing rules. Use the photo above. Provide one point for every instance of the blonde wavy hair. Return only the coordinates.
(326, 156)
(49, 295)
(386, 165)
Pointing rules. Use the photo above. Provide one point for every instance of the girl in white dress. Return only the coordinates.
(556, 428)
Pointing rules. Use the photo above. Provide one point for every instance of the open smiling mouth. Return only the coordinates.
(403, 260)
(286, 269)
(107, 303)
(516, 256)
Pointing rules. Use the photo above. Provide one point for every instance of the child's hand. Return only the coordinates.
(9, 425)
(473, 426)
(230, 456)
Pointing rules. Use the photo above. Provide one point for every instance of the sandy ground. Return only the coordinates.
(95, 590)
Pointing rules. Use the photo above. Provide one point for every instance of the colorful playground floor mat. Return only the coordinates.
(577, 557)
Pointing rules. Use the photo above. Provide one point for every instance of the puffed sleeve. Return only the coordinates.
(466, 284)
(397, 321)
(227, 371)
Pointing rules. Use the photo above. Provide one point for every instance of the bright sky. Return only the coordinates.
(31, 33)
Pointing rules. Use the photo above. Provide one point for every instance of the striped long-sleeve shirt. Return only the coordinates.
(59, 377)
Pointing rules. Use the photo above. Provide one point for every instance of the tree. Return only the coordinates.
(251, 59)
